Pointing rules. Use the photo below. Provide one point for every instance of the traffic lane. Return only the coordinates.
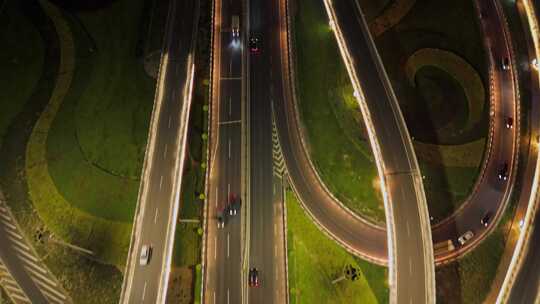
(408, 239)
(262, 238)
(183, 26)
(362, 238)
(392, 140)
(159, 200)
(357, 235)
(228, 240)
(14, 265)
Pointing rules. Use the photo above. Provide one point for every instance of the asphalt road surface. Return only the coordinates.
(223, 245)
(160, 199)
(266, 237)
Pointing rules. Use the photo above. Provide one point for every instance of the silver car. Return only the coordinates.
(465, 237)
(146, 252)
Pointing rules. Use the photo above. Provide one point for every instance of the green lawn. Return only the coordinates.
(315, 261)
(445, 104)
(96, 143)
(469, 279)
(21, 61)
(331, 117)
(446, 187)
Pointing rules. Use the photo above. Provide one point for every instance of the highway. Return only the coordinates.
(223, 258)
(262, 214)
(155, 218)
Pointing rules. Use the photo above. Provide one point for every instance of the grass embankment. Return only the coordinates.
(27, 135)
(186, 278)
(96, 139)
(315, 261)
(332, 117)
(438, 71)
(21, 61)
(469, 280)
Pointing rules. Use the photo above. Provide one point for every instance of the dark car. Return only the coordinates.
(503, 172)
(221, 218)
(485, 220)
(254, 44)
(505, 63)
(234, 204)
(253, 277)
(509, 122)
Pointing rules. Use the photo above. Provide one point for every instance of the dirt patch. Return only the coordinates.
(180, 286)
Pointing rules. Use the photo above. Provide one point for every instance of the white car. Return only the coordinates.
(465, 237)
(146, 252)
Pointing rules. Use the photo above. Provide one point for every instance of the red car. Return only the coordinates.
(253, 277)
(254, 44)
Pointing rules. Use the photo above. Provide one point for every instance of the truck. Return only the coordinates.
(442, 247)
(235, 26)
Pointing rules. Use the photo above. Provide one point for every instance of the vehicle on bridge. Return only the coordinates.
(509, 122)
(146, 254)
(221, 218)
(235, 26)
(465, 237)
(503, 172)
(254, 44)
(253, 277)
(485, 220)
(234, 204)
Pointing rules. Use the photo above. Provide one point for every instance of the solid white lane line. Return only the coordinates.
(229, 148)
(144, 291)
(215, 247)
(155, 216)
(160, 182)
(165, 151)
(228, 244)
